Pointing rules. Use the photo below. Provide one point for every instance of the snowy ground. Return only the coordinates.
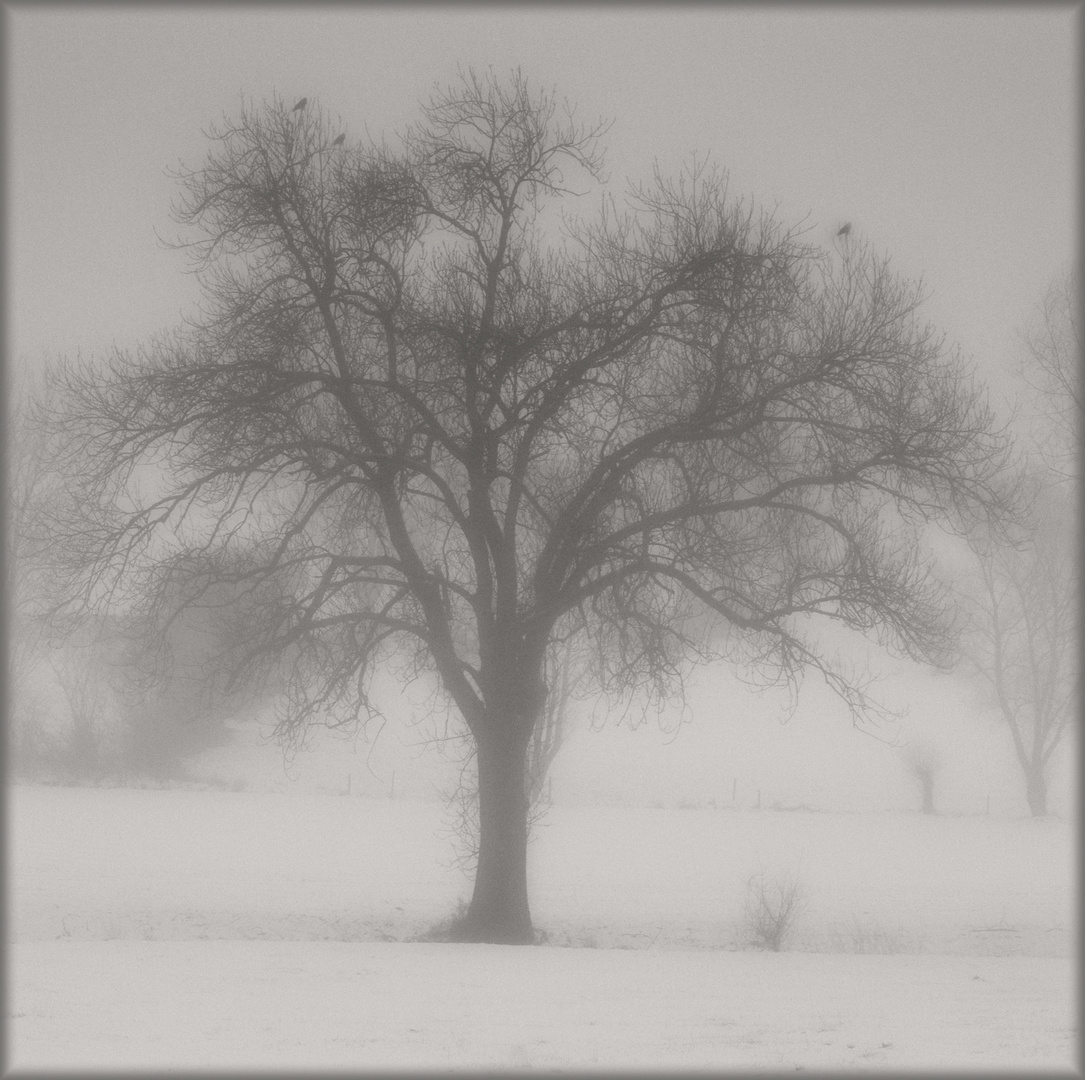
(237, 930)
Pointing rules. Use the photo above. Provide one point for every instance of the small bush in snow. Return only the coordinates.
(772, 905)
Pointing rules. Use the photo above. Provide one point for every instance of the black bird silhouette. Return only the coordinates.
(300, 105)
(338, 140)
(845, 230)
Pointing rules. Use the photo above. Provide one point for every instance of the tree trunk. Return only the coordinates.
(1036, 790)
(499, 912)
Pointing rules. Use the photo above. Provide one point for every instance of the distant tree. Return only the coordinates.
(82, 746)
(921, 762)
(1023, 639)
(26, 483)
(124, 706)
(173, 662)
(144, 685)
(450, 432)
(566, 673)
(1051, 366)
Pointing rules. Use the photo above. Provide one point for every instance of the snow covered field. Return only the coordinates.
(215, 929)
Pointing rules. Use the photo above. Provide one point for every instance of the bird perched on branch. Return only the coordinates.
(338, 140)
(845, 230)
(300, 105)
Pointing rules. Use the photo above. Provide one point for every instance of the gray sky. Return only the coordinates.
(947, 137)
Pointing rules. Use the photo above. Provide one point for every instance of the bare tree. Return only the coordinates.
(1051, 366)
(1023, 639)
(27, 482)
(459, 427)
(172, 662)
(83, 748)
(921, 761)
(565, 674)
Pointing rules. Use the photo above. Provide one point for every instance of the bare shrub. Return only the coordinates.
(772, 905)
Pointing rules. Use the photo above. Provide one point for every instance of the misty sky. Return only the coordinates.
(947, 137)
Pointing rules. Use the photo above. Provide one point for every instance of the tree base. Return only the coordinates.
(475, 932)
(462, 929)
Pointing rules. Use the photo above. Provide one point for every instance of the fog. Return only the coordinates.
(923, 157)
(826, 115)
(731, 746)
(158, 824)
(946, 137)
